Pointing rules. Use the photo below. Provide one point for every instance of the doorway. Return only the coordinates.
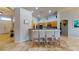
(64, 27)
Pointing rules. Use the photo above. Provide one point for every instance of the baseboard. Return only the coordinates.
(72, 37)
(21, 41)
(3, 33)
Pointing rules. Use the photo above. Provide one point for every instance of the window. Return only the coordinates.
(6, 18)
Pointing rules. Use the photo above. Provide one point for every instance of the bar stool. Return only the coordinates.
(35, 38)
(51, 38)
(56, 39)
(48, 38)
(42, 38)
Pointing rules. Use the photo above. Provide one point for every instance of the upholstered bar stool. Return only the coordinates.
(51, 38)
(56, 39)
(35, 38)
(48, 38)
(42, 38)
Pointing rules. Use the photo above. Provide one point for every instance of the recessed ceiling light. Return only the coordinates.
(0, 12)
(36, 8)
(50, 11)
(38, 15)
(32, 11)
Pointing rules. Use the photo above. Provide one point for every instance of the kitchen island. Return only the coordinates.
(40, 33)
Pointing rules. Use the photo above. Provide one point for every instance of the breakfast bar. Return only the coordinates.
(44, 35)
(45, 32)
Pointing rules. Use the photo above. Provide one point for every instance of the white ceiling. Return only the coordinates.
(44, 11)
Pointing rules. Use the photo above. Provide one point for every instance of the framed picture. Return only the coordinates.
(76, 23)
(26, 22)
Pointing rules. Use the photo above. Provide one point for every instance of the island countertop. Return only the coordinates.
(45, 29)
(47, 32)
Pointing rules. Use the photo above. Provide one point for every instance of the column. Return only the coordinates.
(12, 22)
(58, 22)
(23, 22)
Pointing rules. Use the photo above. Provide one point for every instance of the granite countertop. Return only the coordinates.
(45, 30)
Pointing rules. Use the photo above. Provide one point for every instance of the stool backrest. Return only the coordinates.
(50, 34)
(34, 34)
(42, 34)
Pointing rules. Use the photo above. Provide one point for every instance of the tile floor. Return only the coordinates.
(69, 44)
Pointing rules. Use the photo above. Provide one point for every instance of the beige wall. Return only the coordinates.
(71, 16)
(5, 26)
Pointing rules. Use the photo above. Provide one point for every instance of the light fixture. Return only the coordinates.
(50, 11)
(38, 15)
(32, 11)
(0, 12)
(6, 18)
(36, 8)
